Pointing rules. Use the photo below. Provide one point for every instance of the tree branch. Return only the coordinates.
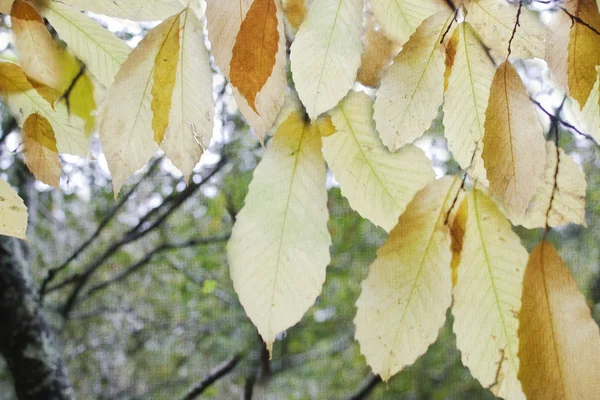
(217, 373)
(52, 273)
(137, 232)
(366, 388)
(564, 123)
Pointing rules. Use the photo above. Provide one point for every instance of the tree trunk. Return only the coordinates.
(26, 341)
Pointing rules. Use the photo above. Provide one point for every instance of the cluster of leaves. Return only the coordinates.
(450, 243)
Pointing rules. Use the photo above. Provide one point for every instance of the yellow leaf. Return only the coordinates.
(5, 6)
(22, 100)
(39, 150)
(100, 50)
(495, 21)
(584, 43)
(192, 108)
(404, 299)
(400, 18)
(135, 10)
(295, 12)
(377, 54)
(413, 88)
(38, 53)
(378, 184)
(325, 125)
(513, 146)
(224, 21)
(279, 247)
(126, 115)
(466, 100)
(82, 101)
(255, 49)
(325, 54)
(164, 75)
(590, 114)
(557, 54)
(487, 297)
(13, 213)
(563, 205)
(559, 342)
(458, 223)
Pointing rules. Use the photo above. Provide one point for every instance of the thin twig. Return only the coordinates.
(575, 18)
(366, 388)
(563, 122)
(514, 31)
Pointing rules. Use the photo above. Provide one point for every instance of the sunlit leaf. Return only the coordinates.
(377, 183)
(413, 88)
(325, 54)
(487, 297)
(135, 10)
(279, 247)
(39, 150)
(403, 301)
(13, 213)
(559, 342)
(514, 152)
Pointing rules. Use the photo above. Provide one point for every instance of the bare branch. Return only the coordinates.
(366, 388)
(217, 373)
(563, 122)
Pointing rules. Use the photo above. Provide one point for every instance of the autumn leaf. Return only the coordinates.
(135, 10)
(400, 18)
(255, 49)
(378, 184)
(378, 52)
(466, 100)
(295, 12)
(163, 77)
(224, 21)
(39, 150)
(487, 297)
(126, 132)
(100, 50)
(458, 223)
(559, 342)
(514, 152)
(13, 213)
(325, 54)
(413, 88)
(192, 106)
(39, 55)
(584, 42)
(560, 199)
(404, 299)
(279, 247)
(23, 100)
(495, 22)
(590, 114)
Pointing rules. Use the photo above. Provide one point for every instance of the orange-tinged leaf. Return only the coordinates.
(38, 53)
(295, 12)
(255, 49)
(458, 224)
(165, 72)
(377, 55)
(39, 150)
(559, 342)
(514, 150)
(584, 48)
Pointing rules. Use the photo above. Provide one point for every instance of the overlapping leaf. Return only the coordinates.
(39, 150)
(487, 297)
(325, 55)
(135, 10)
(559, 342)
(590, 114)
(192, 106)
(22, 100)
(279, 247)
(513, 145)
(413, 88)
(404, 299)
(560, 199)
(126, 132)
(13, 213)
(400, 18)
(584, 42)
(466, 100)
(100, 50)
(378, 184)
(225, 20)
(496, 21)
(377, 54)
